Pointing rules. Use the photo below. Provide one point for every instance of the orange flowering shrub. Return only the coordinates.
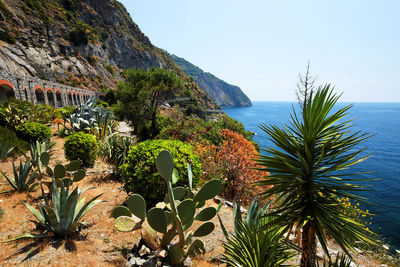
(232, 161)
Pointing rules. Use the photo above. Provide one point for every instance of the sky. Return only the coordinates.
(262, 46)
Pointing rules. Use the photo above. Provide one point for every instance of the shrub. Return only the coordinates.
(233, 162)
(140, 171)
(114, 149)
(33, 131)
(10, 138)
(83, 147)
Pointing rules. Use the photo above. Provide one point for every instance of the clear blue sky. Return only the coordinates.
(263, 45)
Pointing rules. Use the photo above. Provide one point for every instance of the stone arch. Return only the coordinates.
(50, 96)
(58, 98)
(6, 90)
(39, 93)
(69, 98)
(74, 100)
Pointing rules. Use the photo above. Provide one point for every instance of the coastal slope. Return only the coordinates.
(87, 44)
(225, 94)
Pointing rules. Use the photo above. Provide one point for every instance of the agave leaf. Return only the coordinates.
(11, 182)
(35, 212)
(25, 236)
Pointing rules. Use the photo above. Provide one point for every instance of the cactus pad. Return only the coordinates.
(45, 158)
(124, 224)
(74, 165)
(209, 190)
(165, 164)
(137, 205)
(59, 171)
(186, 210)
(176, 254)
(157, 220)
(206, 214)
(179, 193)
(175, 176)
(79, 175)
(197, 247)
(49, 171)
(121, 211)
(204, 229)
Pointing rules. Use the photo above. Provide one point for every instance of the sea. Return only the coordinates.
(380, 119)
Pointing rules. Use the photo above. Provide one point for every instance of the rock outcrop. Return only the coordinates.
(85, 43)
(226, 95)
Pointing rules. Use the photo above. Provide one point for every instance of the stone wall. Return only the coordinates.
(39, 91)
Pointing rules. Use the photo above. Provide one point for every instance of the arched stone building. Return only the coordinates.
(39, 91)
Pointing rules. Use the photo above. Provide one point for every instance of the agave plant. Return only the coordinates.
(88, 117)
(63, 214)
(249, 247)
(23, 178)
(5, 150)
(115, 148)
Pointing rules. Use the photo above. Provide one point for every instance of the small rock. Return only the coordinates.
(140, 262)
(228, 203)
(144, 251)
(385, 247)
(188, 262)
(384, 265)
(167, 265)
(161, 253)
(359, 251)
(243, 210)
(398, 251)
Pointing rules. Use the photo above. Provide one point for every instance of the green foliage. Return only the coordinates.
(198, 130)
(140, 96)
(114, 149)
(7, 37)
(23, 177)
(141, 176)
(83, 147)
(308, 173)
(9, 139)
(82, 33)
(174, 216)
(15, 112)
(248, 246)
(33, 131)
(5, 150)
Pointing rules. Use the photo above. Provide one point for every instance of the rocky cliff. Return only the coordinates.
(226, 95)
(83, 43)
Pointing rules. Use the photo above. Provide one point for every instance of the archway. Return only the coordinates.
(6, 90)
(50, 96)
(69, 98)
(39, 93)
(58, 97)
(26, 94)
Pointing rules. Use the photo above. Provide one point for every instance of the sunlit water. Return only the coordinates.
(381, 119)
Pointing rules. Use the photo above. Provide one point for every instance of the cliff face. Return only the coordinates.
(84, 43)
(226, 95)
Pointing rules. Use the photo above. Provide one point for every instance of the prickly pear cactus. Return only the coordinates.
(181, 207)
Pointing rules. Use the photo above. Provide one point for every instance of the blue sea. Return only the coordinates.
(381, 119)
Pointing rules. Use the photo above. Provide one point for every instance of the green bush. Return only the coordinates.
(33, 131)
(9, 137)
(140, 172)
(81, 146)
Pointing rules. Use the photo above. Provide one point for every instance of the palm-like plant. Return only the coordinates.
(308, 173)
(249, 247)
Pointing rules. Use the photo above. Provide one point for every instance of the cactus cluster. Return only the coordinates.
(175, 215)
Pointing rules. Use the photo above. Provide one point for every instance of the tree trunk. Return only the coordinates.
(309, 253)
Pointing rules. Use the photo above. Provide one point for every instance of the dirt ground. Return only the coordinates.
(97, 244)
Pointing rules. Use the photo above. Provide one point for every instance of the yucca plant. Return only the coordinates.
(5, 150)
(115, 148)
(23, 177)
(249, 247)
(340, 261)
(309, 171)
(62, 214)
